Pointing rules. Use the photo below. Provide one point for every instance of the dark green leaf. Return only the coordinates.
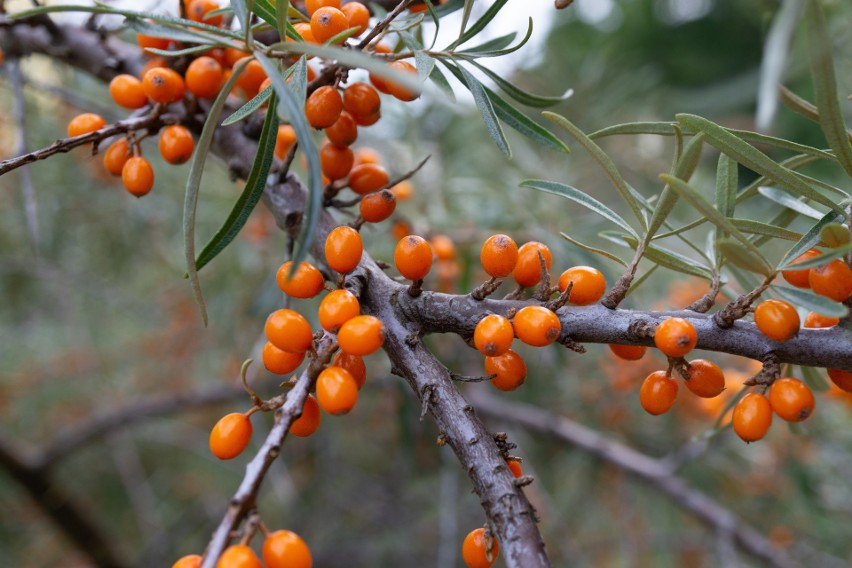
(809, 301)
(483, 103)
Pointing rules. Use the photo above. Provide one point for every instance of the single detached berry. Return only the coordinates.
(362, 335)
(777, 319)
(286, 549)
(675, 337)
(791, 399)
(510, 369)
(706, 379)
(536, 326)
(413, 257)
(658, 393)
(478, 550)
(588, 285)
(752, 417)
(499, 255)
(230, 436)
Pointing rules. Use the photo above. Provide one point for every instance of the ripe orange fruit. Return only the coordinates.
(309, 421)
(327, 22)
(413, 257)
(251, 77)
(493, 335)
(338, 307)
(230, 436)
(358, 16)
(126, 90)
(791, 399)
(752, 417)
(286, 549)
(476, 552)
(304, 30)
(403, 191)
(706, 379)
(137, 175)
(367, 156)
(443, 246)
(280, 362)
(176, 144)
(146, 41)
(354, 364)
(799, 278)
(307, 281)
(815, 320)
(378, 206)
(832, 280)
(284, 140)
(344, 132)
(323, 107)
(367, 178)
(361, 100)
(289, 331)
(777, 319)
(628, 352)
(675, 337)
(84, 124)
(510, 369)
(397, 90)
(527, 270)
(499, 255)
(536, 326)
(239, 556)
(312, 6)
(188, 561)
(163, 85)
(515, 467)
(116, 156)
(361, 335)
(589, 285)
(843, 379)
(337, 391)
(152, 63)
(335, 161)
(658, 393)
(204, 77)
(343, 249)
(198, 9)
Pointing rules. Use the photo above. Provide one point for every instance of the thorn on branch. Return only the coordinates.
(768, 374)
(703, 304)
(572, 345)
(523, 480)
(641, 329)
(515, 294)
(425, 401)
(561, 301)
(542, 291)
(680, 365)
(740, 307)
(485, 289)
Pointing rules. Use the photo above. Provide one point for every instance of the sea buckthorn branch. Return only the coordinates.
(737, 309)
(656, 472)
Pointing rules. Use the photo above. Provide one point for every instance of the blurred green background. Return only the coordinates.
(96, 316)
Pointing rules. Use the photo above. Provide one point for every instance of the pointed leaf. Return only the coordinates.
(441, 82)
(659, 128)
(789, 202)
(580, 197)
(726, 185)
(733, 252)
(252, 106)
(282, 9)
(479, 25)
(594, 250)
(662, 256)
(424, 63)
(811, 238)
(523, 97)
(807, 300)
(824, 258)
(493, 45)
(486, 109)
(757, 228)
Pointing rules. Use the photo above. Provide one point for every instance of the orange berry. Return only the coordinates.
(477, 552)
(510, 369)
(188, 561)
(354, 364)
(153, 63)
(239, 556)
(232, 55)
(589, 285)
(343, 249)
(204, 77)
(368, 120)
(286, 549)
(361, 335)
(791, 399)
(312, 6)
(163, 85)
(658, 393)
(841, 378)
(137, 175)
(499, 255)
(176, 144)
(395, 89)
(309, 421)
(116, 156)
(146, 41)
(493, 335)
(833, 280)
(335, 161)
(304, 30)
(403, 191)
(515, 467)
(628, 352)
(752, 417)
(280, 362)
(230, 436)
(337, 391)
(360, 99)
(323, 107)
(198, 9)
(706, 379)
(327, 22)
(443, 246)
(358, 16)
(284, 140)
(378, 206)
(536, 326)
(84, 124)
(289, 331)
(777, 319)
(126, 90)
(799, 278)
(338, 307)
(367, 178)
(815, 320)
(307, 282)
(527, 270)
(344, 132)
(367, 156)
(251, 77)
(413, 257)
(675, 337)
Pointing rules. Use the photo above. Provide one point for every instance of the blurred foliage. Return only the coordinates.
(99, 315)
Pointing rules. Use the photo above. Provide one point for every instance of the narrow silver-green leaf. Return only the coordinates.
(662, 256)
(249, 107)
(500, 46)
(815, 379)
(825, 84)
(282, 9)
(424, 63)
(193, 185)
(733, 252)
(758, 228)
(486, 109)
(632, 128)
(468, 7)
(813, 303)
(298, 82)
(179, 52)
(523, 97)
(811, 238)
(251, 194)
(726, 185)
(580, 197)
(263, 9)
(824, 258)
(437, 77)
(594, 250)
(785, 199)
(479, 25)
(604, 161)
(187, 35)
